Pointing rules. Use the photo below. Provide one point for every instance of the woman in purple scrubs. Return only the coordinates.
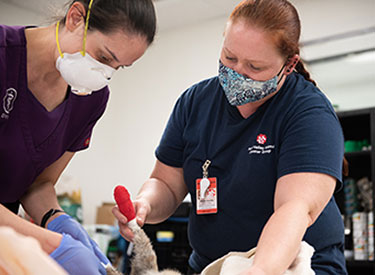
(53, 89)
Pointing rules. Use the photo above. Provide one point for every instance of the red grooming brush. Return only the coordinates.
(124, 203)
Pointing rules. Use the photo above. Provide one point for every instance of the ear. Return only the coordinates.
(75, 16)
(291, 64)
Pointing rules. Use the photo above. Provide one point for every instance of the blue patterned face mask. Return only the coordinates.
(241, 90)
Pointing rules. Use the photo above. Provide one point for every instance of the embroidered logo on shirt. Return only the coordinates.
(87, 142)
(8, 102)
(260, 148)
(261, 139)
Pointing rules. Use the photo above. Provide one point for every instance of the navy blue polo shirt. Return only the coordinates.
(295, 131)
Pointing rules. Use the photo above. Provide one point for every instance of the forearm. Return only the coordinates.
(162, 200)
(41, 195)
(39, 199)
(48, 240)
(281, 238)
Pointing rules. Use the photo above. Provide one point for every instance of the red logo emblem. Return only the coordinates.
(261, 139)
(87, 142)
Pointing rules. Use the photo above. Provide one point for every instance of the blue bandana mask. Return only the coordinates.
(241, 90)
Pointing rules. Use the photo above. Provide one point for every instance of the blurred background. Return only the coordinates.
(338, 44)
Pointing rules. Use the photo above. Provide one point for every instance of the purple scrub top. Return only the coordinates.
(31, 138)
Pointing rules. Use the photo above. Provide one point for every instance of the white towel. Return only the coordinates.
(235, 262)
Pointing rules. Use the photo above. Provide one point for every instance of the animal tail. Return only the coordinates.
(144, 258)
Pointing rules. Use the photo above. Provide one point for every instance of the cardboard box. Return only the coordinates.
(104, 214)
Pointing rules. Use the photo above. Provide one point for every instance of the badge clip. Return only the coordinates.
(205, 183)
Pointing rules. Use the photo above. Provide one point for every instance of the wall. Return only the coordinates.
(349, 82)
(124, 140)
(12, 15)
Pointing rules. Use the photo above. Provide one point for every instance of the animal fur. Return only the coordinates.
(112, 271)
(144, 261)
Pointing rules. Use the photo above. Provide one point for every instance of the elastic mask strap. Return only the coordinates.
(83, 52)
(57, 39)
(282, 68)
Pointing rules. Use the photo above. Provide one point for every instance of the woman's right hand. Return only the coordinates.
(76, 258)
(142, 208)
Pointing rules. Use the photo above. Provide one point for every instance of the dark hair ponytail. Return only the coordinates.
(133, 16)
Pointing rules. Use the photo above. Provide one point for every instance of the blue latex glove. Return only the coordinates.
(76, 258)
(66, 224)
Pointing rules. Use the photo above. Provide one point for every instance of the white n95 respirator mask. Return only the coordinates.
(82, 72)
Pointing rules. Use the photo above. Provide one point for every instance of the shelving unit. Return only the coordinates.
(358, 125)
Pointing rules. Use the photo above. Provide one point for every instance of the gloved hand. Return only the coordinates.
(66, 224)
(76, 258)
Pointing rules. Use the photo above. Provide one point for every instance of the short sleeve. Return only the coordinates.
(171, 146)
(83, 140)
(312, 142)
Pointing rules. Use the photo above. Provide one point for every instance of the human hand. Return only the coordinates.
(76, 258)
(66, 224)
(142, 209)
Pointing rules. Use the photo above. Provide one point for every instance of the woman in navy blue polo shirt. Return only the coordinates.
(258, 147)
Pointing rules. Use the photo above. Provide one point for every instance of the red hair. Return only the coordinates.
(280, 19)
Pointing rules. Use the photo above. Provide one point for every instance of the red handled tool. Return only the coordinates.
(124, 203)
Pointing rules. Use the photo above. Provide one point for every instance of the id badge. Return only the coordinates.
(206, 192)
